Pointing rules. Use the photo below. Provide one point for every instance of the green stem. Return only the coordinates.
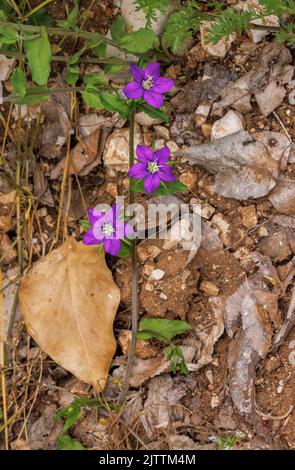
(60, 32)
(60, 58)
(37, 8)
(134, 309)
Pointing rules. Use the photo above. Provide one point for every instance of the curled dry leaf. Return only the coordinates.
(69, 301)
(81, 156)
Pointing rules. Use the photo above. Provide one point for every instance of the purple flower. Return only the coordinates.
(148, 84)
(107, 228)
(152, 167)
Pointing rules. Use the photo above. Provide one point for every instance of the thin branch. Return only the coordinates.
(60, 58)
(60, 32)
(134, 309)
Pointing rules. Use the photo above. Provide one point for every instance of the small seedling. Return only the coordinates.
(165, 331)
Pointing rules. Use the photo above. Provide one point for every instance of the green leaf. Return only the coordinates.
(71, 21)
(100, 50)
(41, 18)
(5, 7)
(95, 79)
(165, 189)
(114, 103)
(18, 81)
(150, 8)
(65, 442)
(85, 225)
(124, 250)
(75, 57)
(158, 327)
(38, 52)
(178, 28)
(118, 29)
(72, 74)
(175, 356)
(114, 68)
(140, 41)
(72, 413)
(91, 98)
(72, 418)
(153, 112)
(8, 35)
(34, 96)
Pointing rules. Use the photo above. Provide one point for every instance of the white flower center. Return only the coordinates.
(153, 167)
(108, 229)
(148, 84)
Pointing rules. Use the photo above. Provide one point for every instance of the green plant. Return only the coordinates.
(73, 412)
(151, 8)
(233, 20)
(230, 441)
(180, 26)
(65, 442)
(165, 330)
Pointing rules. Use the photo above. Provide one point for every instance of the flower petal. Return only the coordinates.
(155, 100)
(139, 170)
(94, 215)
(90, 239)
(163, 84)
(112, 246)
(166, 173)
(120, 230)
(153, 70)
(111, 215)
(137, 73)
(162, 155)
(151, 183)
(133, 90)
(116, 209)
(144, 154)
(128, 229)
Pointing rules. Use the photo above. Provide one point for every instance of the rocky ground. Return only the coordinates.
(231, 134)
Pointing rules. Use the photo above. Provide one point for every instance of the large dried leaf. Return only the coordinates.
(69, 301)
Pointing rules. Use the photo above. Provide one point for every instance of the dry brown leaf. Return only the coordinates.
(69, 301)
(81, 156)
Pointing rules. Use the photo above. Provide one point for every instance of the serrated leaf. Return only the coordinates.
(177, 29)
(18, 81)
(69, 301)
(140, 41)
(118, 28)
(38, 52)
(65, 442)
(159, 327)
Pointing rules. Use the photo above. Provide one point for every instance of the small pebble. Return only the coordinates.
(209, 288)
(157, 275)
